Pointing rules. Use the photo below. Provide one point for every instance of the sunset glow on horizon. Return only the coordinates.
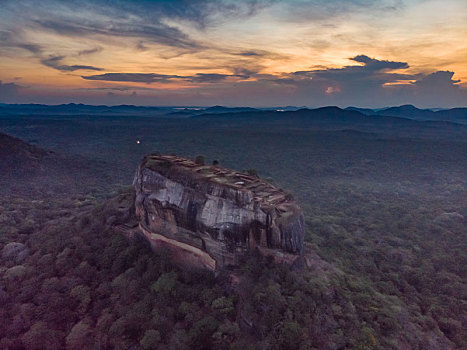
(255, 53)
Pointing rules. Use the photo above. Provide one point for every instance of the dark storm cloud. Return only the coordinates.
(55, 63)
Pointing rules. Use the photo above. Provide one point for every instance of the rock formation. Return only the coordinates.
(212, 217)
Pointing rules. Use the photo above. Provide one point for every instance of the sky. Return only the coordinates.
(259, 53)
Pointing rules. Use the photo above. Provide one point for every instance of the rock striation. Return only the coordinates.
(213, 217)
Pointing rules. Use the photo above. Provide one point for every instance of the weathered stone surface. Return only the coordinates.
(213, 216)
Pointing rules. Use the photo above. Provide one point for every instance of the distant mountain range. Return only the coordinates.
(337, 116)
(455, 115)
(337, 119)
(80, 109)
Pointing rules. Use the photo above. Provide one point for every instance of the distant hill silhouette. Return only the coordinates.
(121, 110)
(329, 114)
(17, 156)
(80, 109)
(222, 109)
(453, 114)
(335, 118)
(456, 115)
(366, 111)
(28, 170)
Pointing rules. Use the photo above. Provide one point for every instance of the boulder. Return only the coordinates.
(213, 217)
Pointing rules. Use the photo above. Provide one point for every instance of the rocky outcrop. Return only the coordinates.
(212, 216)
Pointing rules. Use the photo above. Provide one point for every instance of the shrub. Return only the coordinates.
(15, 273)
(200, 160)
(223, 305)
(79, 337)
(252, 172)
(290, 336)
(165, 284)
(150, 339)
(201, 332)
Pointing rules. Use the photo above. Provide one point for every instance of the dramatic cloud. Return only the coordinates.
(90, 51)
(351, 81)
(440, 88)
(132, 77)
(55, 63)
(440, 79)
(9, 39)
(377, 65)
(202, 13)
(365, 82)
(159, 78)
(52, 61)
(209, 12)
(156, 32)
(373, 80)
(258, 52)
(141, 20)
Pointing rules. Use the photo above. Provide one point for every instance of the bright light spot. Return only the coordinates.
(138, 142)
(331, 90)
(400, 82)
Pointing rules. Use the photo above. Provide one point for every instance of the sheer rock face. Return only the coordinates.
(212, 217)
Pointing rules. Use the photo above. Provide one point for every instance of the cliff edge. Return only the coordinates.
(213, 217)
